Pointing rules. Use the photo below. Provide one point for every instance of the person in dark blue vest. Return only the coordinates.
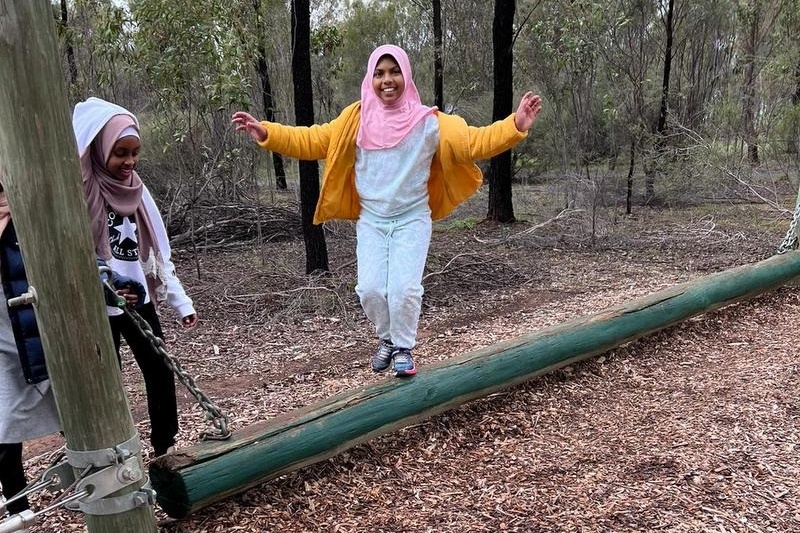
(27, 406)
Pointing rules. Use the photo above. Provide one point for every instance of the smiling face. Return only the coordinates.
(124, 157)
(387, 80)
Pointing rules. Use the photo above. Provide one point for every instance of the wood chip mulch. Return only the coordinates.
(692, 429)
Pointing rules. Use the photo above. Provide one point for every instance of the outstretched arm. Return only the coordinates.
(248, 123)
(529, 107)
(299, 142)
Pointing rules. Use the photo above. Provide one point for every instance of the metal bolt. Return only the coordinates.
(25, 298)
(130, 474)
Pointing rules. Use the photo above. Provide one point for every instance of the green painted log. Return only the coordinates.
(211, 471)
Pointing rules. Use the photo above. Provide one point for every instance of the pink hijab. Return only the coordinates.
(5, 213)
(105, 192)
(384, 126)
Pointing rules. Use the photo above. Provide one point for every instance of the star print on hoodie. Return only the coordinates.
(122, 237)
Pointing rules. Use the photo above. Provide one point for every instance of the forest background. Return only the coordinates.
(646, 102)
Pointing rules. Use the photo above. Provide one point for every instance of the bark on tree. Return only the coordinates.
(68, 48)
(267, 101)
(650, 188)
(760, 19)
(438, 66)
(629, 188)
(313, 235)
(749, 88)
(501, 208)
(269, 113)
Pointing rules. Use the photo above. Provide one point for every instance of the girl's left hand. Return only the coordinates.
(529, 107)
(131, 298)
(189, 321)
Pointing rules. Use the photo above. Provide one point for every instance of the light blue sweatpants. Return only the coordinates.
(391, 255)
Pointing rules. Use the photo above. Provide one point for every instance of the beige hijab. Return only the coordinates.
(98, 126)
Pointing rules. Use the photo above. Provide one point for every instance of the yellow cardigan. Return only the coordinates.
(454, 175)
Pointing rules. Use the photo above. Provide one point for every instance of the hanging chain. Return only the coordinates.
(790, 240)
(213, 413)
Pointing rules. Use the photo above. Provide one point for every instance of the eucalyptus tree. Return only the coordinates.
(757, 19)
(501, 207)
(327, 46)
(95, 43)
(467, 61)
(704, 60)
(667, 11)
(259, 31)
(562, 47)
(790, 67)
(66, 40)
(438, 67)
(188, 58)
(629, 54)
(313, 235)
(433, 12)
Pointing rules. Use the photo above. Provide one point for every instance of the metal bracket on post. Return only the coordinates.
(109, 480)
(106, 456)
(119, 468)
(58, 477)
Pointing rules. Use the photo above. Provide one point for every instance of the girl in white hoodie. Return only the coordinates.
(129, 234)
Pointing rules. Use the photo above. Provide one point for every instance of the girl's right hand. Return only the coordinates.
(246, 122)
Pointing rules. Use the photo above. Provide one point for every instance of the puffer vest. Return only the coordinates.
(23, 319)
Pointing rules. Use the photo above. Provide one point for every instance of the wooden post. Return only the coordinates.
(208, 472)
(39, 169)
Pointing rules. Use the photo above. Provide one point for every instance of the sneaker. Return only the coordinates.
(404, 363)
(382, 357)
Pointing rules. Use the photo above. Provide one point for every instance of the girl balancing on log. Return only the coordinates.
(394, 165)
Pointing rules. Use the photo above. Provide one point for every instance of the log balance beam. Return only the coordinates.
(211, 471)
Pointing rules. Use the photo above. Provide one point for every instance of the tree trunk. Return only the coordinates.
(313, 235)
(661, 127)
(212, 471)
(68, 49)
(269, 113)
(749, 97)
(629, 191)
(501, 207)
(749, 89)
(39, 171)
(438, 67)
(266, 96)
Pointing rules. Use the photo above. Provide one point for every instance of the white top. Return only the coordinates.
(392, 182)
(125, 256)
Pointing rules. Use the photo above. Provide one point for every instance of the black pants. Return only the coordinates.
(12, 476)
(159, 381)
